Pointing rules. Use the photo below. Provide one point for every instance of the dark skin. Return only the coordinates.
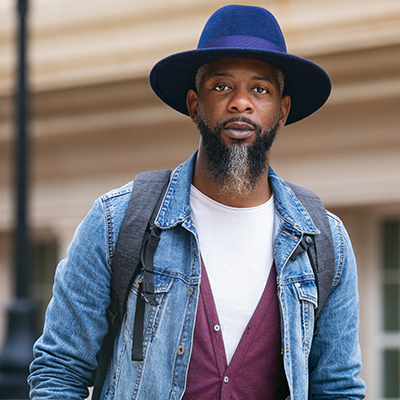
(229, 88)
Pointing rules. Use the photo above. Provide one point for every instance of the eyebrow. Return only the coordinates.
(221, 74)
(261, 78)
(253, 78)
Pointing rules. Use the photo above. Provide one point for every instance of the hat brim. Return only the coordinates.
(306, 83)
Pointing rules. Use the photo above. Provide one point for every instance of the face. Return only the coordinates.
(238, 109)
(238, 88)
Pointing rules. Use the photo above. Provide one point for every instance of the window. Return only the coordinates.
(390, 300)
(43, 261)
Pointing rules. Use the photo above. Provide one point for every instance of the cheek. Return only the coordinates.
(211, 105)
(207, 113)
(269, 115)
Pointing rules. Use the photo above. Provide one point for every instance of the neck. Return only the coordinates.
(202, 181)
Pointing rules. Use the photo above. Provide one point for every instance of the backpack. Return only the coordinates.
(134, 252)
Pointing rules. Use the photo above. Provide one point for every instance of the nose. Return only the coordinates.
(240, 101)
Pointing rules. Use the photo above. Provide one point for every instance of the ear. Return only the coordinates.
(284, 112)
(192, 101)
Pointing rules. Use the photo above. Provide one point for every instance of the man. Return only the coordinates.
(235, 315)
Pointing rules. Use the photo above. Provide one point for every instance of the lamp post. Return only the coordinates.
(16, 354)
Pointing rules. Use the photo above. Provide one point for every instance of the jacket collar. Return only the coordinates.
(289, 207)
(176, 206)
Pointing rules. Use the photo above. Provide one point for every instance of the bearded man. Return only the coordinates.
(234, 311)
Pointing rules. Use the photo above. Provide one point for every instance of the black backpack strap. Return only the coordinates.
(322, 256)
(146, 286)
(137, 241)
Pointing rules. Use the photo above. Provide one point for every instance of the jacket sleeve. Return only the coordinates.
(65, 355)
(335, 357)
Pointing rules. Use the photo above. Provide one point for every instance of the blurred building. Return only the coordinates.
(96, 123)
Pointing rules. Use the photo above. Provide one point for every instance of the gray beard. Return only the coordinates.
(236, 169)
(237, 179)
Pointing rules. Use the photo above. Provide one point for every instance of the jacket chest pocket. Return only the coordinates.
(162, 285)
(308, 299)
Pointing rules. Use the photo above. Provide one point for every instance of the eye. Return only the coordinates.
(261, 90)
(221, 88)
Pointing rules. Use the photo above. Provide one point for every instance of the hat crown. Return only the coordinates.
(245, 21)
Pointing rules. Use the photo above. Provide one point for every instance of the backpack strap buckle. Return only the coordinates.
(306, 242)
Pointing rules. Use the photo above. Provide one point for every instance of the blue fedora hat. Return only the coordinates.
(236, 31)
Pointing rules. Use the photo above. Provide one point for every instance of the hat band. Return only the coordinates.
(242, 41)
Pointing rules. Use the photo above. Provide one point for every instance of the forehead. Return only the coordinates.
(236, 67)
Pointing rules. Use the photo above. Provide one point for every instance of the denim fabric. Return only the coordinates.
(65, 355)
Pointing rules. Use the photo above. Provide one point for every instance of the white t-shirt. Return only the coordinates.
(236, 247)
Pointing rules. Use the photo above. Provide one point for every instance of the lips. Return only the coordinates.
(239, 130)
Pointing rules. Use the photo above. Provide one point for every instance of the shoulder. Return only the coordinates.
(344, 255)
(115, 201)
(108, 213)
(339, 233)
(119, 193)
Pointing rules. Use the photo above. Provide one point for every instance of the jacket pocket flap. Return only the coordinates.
(307, 291)
(162, 283)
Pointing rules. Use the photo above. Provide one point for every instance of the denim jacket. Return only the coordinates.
(65, 355)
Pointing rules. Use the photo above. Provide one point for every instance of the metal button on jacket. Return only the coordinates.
(180, 350)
